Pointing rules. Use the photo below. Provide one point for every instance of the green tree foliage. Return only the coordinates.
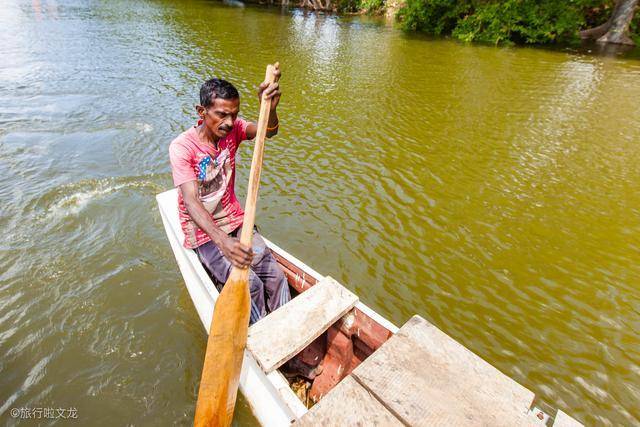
(634, 29)
(437, 17)
(506, 21)
(356, 6)
(348, 6)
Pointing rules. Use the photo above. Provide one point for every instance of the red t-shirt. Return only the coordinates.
(215, 172)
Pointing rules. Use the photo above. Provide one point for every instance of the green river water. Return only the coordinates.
(493, 191)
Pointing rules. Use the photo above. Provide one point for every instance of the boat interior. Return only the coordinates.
(330, 357)
(334, 354)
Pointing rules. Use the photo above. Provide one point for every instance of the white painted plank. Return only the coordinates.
(426, 378)
(564, 420)
(348, 404)
(285, 332)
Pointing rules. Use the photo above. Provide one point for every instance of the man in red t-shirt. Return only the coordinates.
(203, 167)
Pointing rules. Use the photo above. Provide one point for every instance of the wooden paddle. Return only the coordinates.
(230, 322)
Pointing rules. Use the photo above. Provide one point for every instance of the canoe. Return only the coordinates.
(420, 376)
(272, 400)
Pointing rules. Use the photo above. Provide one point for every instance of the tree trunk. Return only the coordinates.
(620, 20)
(616, 29)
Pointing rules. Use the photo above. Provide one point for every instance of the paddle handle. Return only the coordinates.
(246, 234)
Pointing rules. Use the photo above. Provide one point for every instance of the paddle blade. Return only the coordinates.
(225, 351)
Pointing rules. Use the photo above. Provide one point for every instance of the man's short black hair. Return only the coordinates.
(217, 88)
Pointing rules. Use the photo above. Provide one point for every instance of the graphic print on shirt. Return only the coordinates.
(213, 178)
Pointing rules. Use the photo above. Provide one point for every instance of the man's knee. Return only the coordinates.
(260, 250)
(214, 262)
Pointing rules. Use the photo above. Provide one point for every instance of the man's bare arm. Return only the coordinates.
(252, 127)
(231, 248)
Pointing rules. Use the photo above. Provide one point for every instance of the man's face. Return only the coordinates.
(220, 116)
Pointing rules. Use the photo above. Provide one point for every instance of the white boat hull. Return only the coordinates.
(271, 400)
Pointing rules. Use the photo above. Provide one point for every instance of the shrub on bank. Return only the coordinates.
(357, 6)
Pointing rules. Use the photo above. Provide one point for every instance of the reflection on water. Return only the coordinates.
(492, 191)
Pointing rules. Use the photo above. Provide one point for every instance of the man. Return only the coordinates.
(203, 167)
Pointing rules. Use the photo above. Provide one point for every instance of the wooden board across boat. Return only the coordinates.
(366, 371)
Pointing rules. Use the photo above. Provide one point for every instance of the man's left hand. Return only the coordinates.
(271, 91)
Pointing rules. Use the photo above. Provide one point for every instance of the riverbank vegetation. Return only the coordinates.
(505, 21)
(523, 21)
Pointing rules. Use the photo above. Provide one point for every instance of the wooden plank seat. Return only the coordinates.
(422, 377)
(285, 332)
